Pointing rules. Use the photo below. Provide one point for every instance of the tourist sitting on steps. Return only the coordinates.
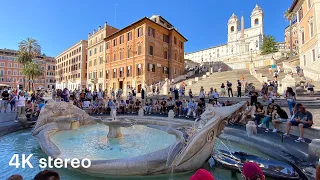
(267, 117)
(178, 107)
(259, 113)
(302, 119)
(191, 109)
(201, 106)
(280, 116)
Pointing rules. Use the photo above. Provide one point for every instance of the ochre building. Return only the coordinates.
(145, 52)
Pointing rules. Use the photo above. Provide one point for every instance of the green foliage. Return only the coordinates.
(32, 71)
(269, 45)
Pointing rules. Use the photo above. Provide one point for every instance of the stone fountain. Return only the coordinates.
(192, 148)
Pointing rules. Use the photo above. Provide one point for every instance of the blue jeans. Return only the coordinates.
(266, 121)
(291, 105)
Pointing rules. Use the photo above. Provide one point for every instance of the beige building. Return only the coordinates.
(96, 57)
(295, 41)
(145, 52)
(308, 28)
(71, 67)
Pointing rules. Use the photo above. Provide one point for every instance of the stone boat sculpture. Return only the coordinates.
(194, 140)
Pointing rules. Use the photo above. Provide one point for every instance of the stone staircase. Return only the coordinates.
(214, 80)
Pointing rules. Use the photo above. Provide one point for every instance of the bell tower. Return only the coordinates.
(233, 28)
(257, 17)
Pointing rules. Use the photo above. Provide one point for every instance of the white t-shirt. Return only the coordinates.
(21, 101)
(86, 104)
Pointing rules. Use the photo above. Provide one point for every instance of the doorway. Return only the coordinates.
(139, 88)
(121, 84)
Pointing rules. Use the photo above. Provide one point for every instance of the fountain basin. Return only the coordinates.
(182, 155)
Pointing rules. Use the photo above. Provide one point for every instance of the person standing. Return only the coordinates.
(223, 90)
(12, 101)
(291, 99)
(21, 103)
(239, 88)
(142, 95)
(229, 86)
(5, 100)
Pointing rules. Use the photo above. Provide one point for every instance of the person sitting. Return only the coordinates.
(200, 108)
(123, 106)
(170, 104)
(252, 171)
(259, 113)
(86, 104)
(215, 96)
(184, 107)
(280, 116)
(147, 107)
(137, 105)
(267, 117)
(47, 174)
(163, 108)
(109, 105)
(156, 106)
(95, 107)
(100, 106)
(191, 109)
(302, 119)
(178, 107)
(29, 109)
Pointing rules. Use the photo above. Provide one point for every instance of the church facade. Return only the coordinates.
(242, 43)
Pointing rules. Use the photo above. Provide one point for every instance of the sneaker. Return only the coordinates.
(267, 130)
(16, 121)
(300, 140)
(274, 130)
(286, 135)
(260, 125)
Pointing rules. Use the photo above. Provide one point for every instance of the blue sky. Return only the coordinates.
(57, 24)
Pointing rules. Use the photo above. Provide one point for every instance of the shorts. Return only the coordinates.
(4, 103)
(295, 123)
(311, 89)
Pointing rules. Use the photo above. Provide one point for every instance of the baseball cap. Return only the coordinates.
(202, 174)
(252, 171)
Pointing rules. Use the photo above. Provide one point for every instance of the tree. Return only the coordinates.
(269, 45)
(32, 71)
(289, 16)
(28, 50)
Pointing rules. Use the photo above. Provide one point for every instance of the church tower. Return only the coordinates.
(257, 21)
(233, 28)
(257, 18)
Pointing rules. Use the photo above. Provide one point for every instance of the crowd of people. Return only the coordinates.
(22, 102)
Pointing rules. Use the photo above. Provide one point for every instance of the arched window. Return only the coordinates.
(256, 21)
(232, 29)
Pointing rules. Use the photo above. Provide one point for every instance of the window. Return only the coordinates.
(175, 56)
(90, 53)
(256, 21)
(139, 49)
(309, 4)
(100, 59)
(101, 48)
(129, 73)
(165, 38)
(101, 36)
(311, 28)
(151, 50)
(107, 58)
(114, 73)
(152, 67)
(9, 72)
(140, 32)
(151, 32)
(232, 29)
(121, 72)
(129, 36)
(181, 44)
(313, 55)
(9, 65)
(175, 70)
(107, 74)
(94, 62)
(121, 39)
(15, 65)
(95, 50)
(114, 42)
(302, 37)
(108, 45)
(304, 60)
(300, 14)
(165, 70)
(139, 69)
(165, 54)
(100, 74)
(114, 57)
(129, 52)
(175, 40)
(120, 54)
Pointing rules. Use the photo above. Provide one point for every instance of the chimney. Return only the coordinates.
(105, 24)
(99, 28)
